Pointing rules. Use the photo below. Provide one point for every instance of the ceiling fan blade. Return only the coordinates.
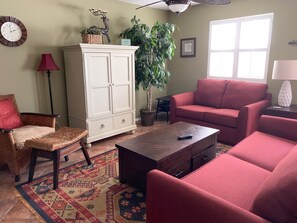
(148, 4)
(213, 2)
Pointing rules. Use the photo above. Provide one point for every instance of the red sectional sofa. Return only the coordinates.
(233, 107)
(256, 181)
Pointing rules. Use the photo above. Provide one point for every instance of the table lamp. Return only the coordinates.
(285, 70)
(48, 64)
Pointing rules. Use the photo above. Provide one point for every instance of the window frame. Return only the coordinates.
(236, 50)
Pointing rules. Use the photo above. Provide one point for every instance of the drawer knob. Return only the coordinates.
(205, 158)
(123, 120)
(179, 173)
(102, 126)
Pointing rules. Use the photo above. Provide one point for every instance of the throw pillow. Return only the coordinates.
(9, 117)
(277, 199)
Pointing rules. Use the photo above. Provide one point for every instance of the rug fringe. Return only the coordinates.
(27, 205)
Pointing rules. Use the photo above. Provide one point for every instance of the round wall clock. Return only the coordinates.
(12, 31)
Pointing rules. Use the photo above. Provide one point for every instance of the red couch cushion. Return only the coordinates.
(9, 117)
(229, 178)
(241, 93)
(277, 198)
(210, 92)
(225, 117)
(195, 112)
(263, 150)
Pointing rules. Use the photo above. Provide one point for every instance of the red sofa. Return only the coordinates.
(233, 107)
(256, 181)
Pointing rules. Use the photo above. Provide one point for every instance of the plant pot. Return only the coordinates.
(90, 38)
(147, 117)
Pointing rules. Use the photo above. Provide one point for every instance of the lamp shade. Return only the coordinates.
(285, 70)
(47, 63)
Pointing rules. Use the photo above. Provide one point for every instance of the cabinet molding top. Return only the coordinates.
(99, 46)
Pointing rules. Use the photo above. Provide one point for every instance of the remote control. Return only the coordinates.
(190, 136)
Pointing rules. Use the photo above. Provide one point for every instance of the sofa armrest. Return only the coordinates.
(278, 126)
(39, 119)
(248, 118)
(171, 200)
(186, 98)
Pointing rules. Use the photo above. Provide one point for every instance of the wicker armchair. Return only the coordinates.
(15, 131)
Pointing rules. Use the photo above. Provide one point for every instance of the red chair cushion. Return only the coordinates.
(277, 199)
(241, 93)
(9, 117)
(210, 92)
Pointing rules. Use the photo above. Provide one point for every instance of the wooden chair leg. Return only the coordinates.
(56, 160)
(85, 152)
(32, 165)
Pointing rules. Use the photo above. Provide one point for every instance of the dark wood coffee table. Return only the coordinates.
(160, 149)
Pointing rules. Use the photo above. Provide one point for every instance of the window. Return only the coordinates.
(239, 48)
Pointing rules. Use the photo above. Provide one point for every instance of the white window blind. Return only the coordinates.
(239, 48)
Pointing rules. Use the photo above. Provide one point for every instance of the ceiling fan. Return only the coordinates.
(179, 6)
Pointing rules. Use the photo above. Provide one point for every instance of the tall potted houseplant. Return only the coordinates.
(156, 45)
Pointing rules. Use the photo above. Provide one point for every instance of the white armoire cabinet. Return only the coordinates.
(100, 82)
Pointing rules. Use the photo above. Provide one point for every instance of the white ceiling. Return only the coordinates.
(160, 5)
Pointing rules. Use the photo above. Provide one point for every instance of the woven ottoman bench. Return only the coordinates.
(56, 145)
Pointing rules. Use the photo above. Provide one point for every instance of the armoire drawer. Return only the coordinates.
(100, 126)
(122, 121)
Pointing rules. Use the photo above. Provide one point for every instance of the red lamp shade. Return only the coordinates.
(47, 63)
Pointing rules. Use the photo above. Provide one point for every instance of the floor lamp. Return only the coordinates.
(48, 64)
(285, 70)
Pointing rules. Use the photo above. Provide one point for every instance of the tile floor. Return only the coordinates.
(13, 210)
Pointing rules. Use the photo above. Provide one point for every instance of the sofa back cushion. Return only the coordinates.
(9, 116)
(277, 198)
(210, 92)
(241, 93)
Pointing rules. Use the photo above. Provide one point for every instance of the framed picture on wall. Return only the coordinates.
(188, 47)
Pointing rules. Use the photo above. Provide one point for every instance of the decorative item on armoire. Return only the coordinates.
(91, 35)
(48, 64)
(105, 20)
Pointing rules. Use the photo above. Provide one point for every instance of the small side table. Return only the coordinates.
(163, 105)
(55, 145)
(289, 112)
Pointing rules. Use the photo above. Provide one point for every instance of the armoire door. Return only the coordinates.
(99, 84)
(122, 82)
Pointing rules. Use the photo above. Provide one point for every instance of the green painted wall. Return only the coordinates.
(52, 24)
(195, 23)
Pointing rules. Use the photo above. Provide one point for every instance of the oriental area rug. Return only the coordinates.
(87, 194)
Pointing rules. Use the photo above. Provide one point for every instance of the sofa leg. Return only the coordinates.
(17, 178)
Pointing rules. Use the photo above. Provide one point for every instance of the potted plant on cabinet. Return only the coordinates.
(156, 45)
(91, 35)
